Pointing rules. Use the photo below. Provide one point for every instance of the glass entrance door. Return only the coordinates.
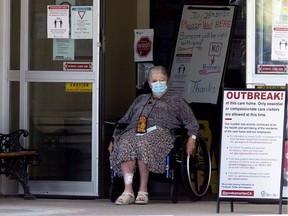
(61, 130)
(58, 77)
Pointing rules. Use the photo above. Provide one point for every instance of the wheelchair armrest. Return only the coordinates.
(121, 126)
(179, 131)
(174, 131)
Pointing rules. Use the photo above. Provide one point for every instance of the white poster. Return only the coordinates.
(81, 22)
(252, 144)
(200, 53)
(280, 43)
(58, 21)
(143, 45)
(63, 49)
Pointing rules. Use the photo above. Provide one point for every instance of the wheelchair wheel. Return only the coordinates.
(116, 188)
(173, 193)
(196, 170)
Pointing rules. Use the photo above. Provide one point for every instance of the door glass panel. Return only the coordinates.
(50, 53)
(271, 22)
(15, 35)
(14, 106)
(60, 125)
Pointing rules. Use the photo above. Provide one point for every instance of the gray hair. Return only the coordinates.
(158, 70)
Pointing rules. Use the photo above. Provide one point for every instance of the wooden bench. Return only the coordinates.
(14, 159)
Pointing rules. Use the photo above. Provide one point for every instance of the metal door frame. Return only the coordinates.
(24, 76)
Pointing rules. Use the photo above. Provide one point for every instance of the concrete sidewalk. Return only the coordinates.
(16, 206)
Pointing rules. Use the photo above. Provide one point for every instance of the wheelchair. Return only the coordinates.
(193, 173)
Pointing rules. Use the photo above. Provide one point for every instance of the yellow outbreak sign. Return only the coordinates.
(78, 87)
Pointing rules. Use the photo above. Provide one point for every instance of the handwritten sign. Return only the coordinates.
(253, 125)
(201, 52)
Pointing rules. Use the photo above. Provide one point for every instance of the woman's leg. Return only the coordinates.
(144, 175)
(142, 196)
(127, 168)
(127, 197)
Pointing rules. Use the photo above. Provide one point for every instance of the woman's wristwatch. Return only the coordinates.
(193, 137)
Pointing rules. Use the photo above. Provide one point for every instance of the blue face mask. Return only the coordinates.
(159, 88)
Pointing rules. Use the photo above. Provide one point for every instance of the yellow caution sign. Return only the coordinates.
(78, 87)
(206, 133)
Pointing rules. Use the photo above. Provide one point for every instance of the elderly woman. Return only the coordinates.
(147, 138)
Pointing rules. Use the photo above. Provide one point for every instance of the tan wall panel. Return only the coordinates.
(120, 22)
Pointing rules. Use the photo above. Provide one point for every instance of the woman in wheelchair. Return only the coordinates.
(147, 139)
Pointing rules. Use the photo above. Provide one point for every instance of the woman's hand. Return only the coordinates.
(190, 146)
(110, 147)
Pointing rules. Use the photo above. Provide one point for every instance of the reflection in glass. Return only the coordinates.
(60, 129)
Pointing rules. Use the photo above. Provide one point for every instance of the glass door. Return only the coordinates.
(58, 83)
(267, 52)
(267, 39)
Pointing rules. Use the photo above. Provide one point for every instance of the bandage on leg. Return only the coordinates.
(128, 178)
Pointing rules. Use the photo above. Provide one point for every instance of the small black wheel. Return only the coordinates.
(173, 193)
(196, 170)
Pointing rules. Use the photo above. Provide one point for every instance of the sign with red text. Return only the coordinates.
(77, 66)
(253, 125)
(143, 45)
(58, 21)
(272, 69)
(280, 42)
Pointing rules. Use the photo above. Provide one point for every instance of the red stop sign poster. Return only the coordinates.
(143, 45)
